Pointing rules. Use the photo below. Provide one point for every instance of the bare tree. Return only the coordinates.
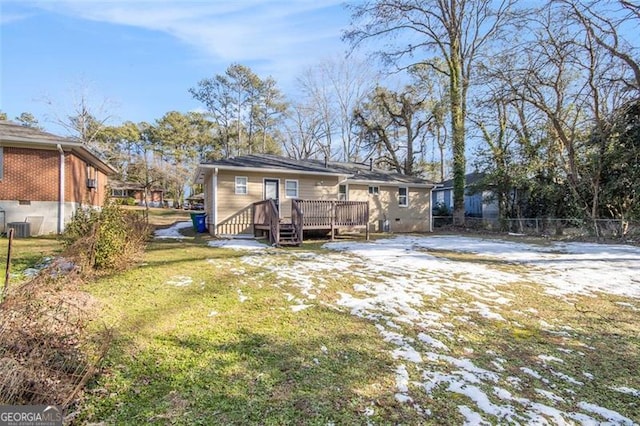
(304, 132)
(456, 31)
(337, 86)
(85, 117)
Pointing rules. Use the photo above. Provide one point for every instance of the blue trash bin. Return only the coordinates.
(201, 225)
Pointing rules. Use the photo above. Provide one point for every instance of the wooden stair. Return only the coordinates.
(288, 235)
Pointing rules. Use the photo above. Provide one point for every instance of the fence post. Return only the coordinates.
(333, 219)
(8, 269)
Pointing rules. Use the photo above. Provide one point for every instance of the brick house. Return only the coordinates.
(45, 178)
(121, 191)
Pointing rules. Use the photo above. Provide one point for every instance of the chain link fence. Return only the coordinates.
(570, 228)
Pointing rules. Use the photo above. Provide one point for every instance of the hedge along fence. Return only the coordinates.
(604, 228)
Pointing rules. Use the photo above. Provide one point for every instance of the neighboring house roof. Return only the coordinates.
(352, 172)
(21, 136)
(196, 197)
(117, 184)
(469, 180)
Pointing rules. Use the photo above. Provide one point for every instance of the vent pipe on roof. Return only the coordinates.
(326, 161)
(370, 164)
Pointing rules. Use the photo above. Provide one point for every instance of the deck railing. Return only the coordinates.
(265, 213)
(297, 220)
(330, 214)
(326, 215)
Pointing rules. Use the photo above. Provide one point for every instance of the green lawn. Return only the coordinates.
(214, 336)
(208, 335)
(195, 354)
(26, 253)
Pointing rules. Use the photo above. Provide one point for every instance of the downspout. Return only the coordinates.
(431, 209)
(214, 193)
(61, 191)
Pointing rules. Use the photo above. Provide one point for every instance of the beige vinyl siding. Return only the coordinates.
(234, 210)
(384, 206)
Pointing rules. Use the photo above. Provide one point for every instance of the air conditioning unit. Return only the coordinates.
(20, 229)
(91, 183)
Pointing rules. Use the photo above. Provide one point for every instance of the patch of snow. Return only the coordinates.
(242, 297)
(180, 281)
(301, 307)
(471, 417)
(546, 358)
(610, 415)
(549, 395)
(629, 391)
(238, 244)
(567, 378)
(173, 231)
(424, 338)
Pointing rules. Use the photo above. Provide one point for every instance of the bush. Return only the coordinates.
(441, 209)
(105, 239)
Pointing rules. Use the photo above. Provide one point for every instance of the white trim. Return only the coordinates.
(297, 188)
(346, 191)
(264, 192)
(389, 183)
(272, 170)
(214, 209)
(404, 206)
(61, 190)
(246, 185)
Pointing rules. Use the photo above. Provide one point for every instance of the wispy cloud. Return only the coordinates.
(8, 18)
(276, 34)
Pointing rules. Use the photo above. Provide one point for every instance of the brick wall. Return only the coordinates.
(29, 174)
(33, 175)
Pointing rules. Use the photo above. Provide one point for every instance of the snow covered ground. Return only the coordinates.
(428, 304)
(424, 303)
(173, 231)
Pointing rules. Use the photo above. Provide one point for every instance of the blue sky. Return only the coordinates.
(136, 60)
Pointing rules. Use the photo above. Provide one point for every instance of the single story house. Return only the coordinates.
(259, 194)
(45, 178)
(123, 191)
(477, 203)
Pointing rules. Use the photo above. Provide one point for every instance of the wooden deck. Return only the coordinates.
(309, 215)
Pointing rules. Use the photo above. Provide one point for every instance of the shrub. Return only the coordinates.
(105, 239)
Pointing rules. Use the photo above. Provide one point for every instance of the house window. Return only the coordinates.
(118, 192)
(291, 188)
(242, 187)
(342, 192)
(374, 190)
(403, 197)
(92, 177)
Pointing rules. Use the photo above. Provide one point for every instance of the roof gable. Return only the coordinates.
(14, 134)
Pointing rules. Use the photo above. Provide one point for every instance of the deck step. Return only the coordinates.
(288, 235)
